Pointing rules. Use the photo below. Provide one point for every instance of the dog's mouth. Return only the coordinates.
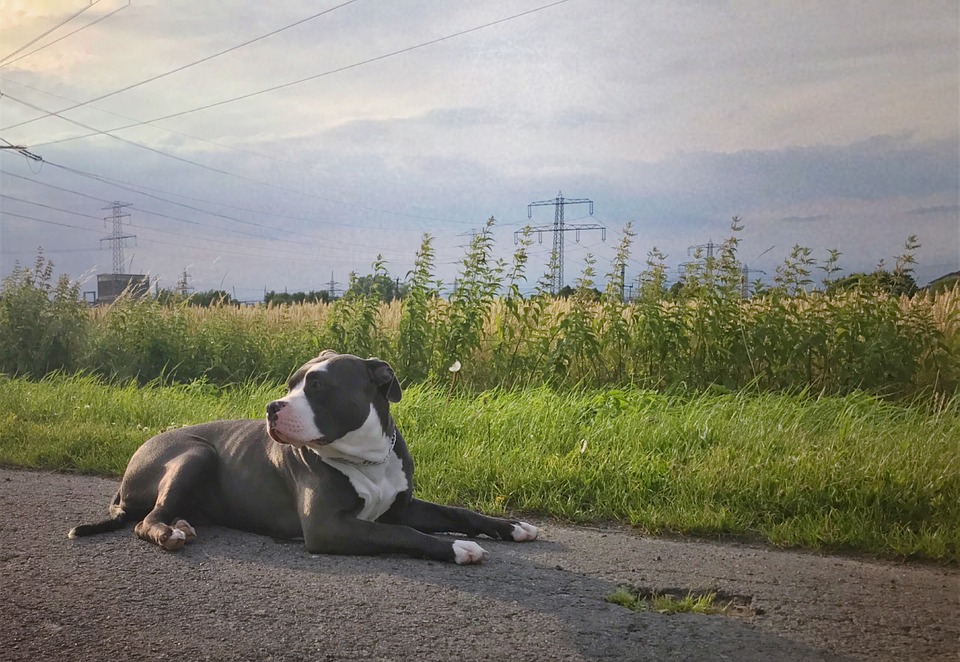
(279, 438)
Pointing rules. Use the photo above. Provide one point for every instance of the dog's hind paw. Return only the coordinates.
(523, 532)
(465, 551)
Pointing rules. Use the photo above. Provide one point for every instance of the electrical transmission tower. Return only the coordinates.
(709, 247)
(559, 227)
(745, 279)
(183, 284)
(332, 288)
(116, 237)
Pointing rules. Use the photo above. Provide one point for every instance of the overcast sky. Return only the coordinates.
(832, 125)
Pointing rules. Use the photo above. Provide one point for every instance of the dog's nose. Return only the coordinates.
(274, 408)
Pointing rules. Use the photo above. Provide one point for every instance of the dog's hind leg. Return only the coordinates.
(179, 491)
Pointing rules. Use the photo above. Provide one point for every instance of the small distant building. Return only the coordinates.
(111, 286)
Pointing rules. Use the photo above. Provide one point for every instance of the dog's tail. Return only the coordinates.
(118, 520)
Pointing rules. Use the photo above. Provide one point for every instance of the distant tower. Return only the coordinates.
(332, 288)
(709, 247)
(559, 227)
(183, 284)
(116, 236)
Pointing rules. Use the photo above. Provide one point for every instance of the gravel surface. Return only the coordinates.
(236, 596)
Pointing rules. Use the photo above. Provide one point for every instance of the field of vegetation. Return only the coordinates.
(819, 412)
(808, 332)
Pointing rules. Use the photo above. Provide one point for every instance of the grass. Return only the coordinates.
(854, 472)
(692, 602)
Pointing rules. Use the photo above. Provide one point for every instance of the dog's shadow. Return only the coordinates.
(517, 578)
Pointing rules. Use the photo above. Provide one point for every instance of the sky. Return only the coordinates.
(279, 146)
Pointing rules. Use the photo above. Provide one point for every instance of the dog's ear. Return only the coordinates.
(385, 379)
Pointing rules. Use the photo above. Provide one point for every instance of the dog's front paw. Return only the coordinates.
(188, 531)
(465, 552)
(173, 540)
(523, 532)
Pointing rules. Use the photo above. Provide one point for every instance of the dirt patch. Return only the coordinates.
(232, 595)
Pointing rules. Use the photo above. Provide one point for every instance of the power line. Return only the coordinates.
(54, 28)
(174, 218)
(250, 179)
(320, 75)
(127, 117)
(192, 64)
(327, 243)
(140, 189)
(4, 212)
(69, 34)
(46, 206)
(219, 170)
(299, 257)
(347, 246)
(21, 149)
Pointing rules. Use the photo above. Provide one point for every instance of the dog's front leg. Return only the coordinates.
(349, 535)
(434, 518)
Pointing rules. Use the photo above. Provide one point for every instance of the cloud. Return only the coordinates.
(873, 169)
(941, 209)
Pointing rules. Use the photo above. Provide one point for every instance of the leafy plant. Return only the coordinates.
(416, 340)
(43, 325)
(468, 307)
(354, 318)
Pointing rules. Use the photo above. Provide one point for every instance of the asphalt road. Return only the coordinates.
(236, 596)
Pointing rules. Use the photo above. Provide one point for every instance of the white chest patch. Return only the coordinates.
(365, 456)
(377, 484)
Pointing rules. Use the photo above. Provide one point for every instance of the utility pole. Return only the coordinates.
(183, 284)
(559, 227)
(116, 236)
(332, 289)
(745, 280)
(709, 247)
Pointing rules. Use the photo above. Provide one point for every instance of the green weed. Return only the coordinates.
(668, 602)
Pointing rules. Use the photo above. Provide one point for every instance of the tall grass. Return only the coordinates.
(855, 472)
(708, 332)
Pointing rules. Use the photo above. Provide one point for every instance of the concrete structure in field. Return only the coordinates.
(111, 286)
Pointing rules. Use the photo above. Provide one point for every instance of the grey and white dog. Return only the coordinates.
(329, 466)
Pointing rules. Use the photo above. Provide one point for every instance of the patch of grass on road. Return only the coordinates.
(693, 602)
(853, 472)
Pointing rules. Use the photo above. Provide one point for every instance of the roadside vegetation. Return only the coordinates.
(818, 412)
(851, 472)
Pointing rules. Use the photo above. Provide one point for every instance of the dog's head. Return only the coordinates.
(336, 401)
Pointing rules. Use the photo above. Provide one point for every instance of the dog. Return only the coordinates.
(329, 466)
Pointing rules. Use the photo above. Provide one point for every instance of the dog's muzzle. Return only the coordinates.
(279, 432)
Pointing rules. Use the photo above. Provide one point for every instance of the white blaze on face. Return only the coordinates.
(295, 422)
